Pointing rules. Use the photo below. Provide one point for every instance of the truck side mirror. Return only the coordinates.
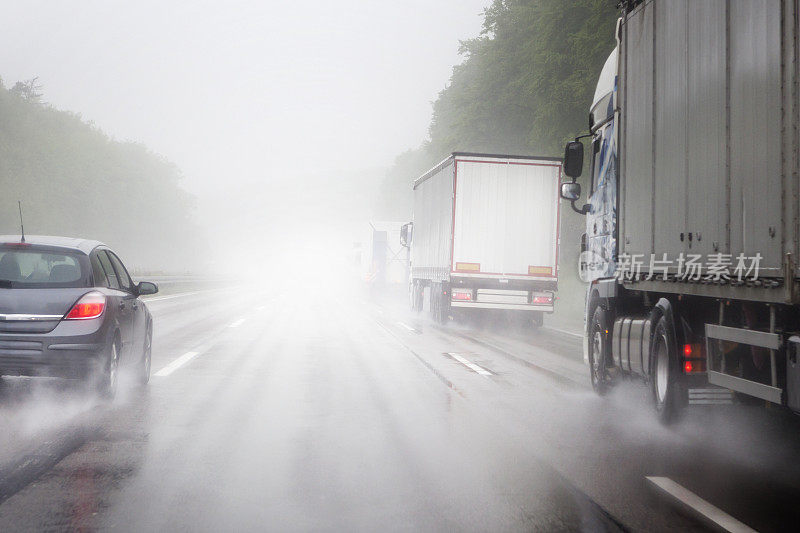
(571, 191)
(573, 159)
(405, 234)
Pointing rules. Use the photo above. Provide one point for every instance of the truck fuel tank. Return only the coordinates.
(630, 344)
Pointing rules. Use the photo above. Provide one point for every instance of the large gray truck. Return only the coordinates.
(693, 218)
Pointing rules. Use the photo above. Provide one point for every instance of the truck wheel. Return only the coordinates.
(538, 319)
(416, 295)
(440, 308)
(599, 351)
(665, 372)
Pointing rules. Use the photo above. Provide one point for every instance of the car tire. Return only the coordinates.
(146, 361)
(665, 372)
(109, 377)
(599, 351)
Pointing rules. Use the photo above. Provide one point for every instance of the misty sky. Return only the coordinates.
(248, 90)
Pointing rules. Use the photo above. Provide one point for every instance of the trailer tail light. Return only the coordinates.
(694, 359)
(694, 366)
(462, 295)
(542, 300)
(91, 305)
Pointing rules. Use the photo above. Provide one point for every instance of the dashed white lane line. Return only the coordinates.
(176, 364)
(698, 505)
(469, 364)
(565, 332)
(237, 323)
(261, 307)
(409, 328)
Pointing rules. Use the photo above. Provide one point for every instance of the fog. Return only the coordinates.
(258, 103)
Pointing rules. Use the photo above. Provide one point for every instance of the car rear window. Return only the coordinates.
(29, 267)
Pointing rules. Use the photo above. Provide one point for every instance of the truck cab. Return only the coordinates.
(599, 245)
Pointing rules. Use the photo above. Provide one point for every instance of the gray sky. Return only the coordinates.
(245, 90)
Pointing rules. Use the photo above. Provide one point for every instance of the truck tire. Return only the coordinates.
(599, 351)
(416, 295)
(440, 303)
(665, 375)
(538, 319)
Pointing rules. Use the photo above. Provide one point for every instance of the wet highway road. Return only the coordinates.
(296, 411)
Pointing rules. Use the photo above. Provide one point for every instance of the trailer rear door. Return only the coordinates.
(506, 218)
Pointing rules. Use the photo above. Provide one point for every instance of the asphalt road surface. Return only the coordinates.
(318, 410)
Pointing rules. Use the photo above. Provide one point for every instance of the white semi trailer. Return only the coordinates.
(485, 235)
(692, 232)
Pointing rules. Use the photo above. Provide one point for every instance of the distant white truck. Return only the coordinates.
(383, 259)
(485, 235)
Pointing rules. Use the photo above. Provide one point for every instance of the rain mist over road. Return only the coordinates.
(250, 99)
(255, 160)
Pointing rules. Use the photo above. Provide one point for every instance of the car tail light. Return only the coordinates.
(465, 296)
(542, 299)
(91, 305)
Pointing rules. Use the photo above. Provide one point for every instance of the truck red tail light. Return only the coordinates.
(91, 305)
(542, 299)
(462, 295)
(694, 359)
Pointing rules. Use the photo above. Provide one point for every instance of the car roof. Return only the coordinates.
(84, 245)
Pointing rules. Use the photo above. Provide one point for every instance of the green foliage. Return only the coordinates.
(74, 180)
(524, 88)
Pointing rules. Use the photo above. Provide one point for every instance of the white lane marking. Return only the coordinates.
(565, 332)
(261, 307)
(698, 504)
(409, 328)
(469, 364)
(169, 297)
(237, 323)
(176, 364)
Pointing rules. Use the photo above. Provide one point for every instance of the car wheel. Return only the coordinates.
(665, 372)
(107, 385)
(599, 352)
(146, 362)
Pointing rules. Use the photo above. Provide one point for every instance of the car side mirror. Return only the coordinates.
(573, 159)
(146, 287)
(570, 191)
